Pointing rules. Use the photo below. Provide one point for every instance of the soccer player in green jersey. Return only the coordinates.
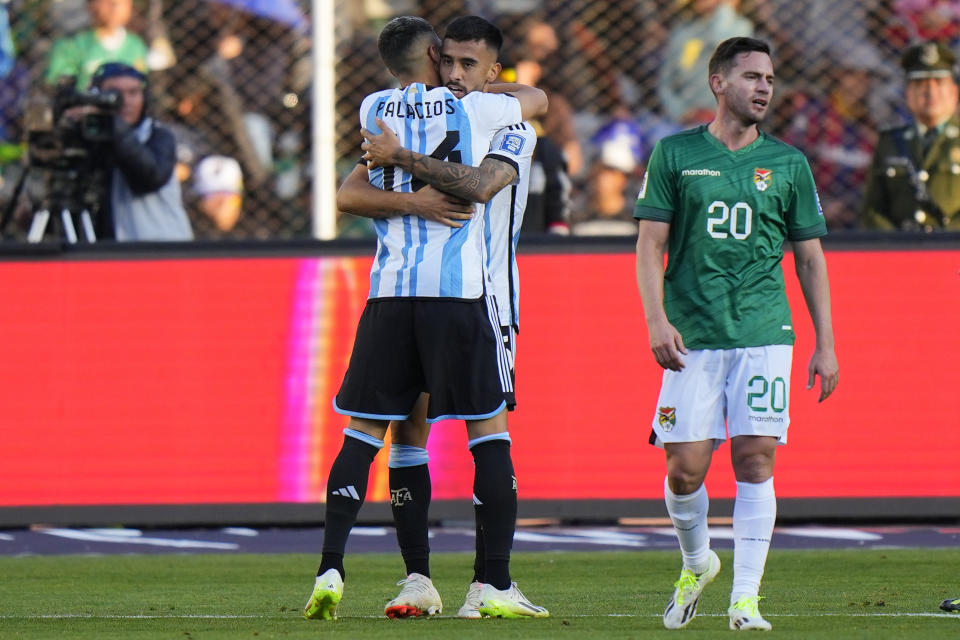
(719, 201)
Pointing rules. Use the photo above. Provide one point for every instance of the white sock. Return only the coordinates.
(754, 513)
(689, 516)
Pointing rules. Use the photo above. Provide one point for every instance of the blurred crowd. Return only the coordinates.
(623, 74)
(231, 80)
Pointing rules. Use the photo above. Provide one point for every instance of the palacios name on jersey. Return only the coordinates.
(418, 110)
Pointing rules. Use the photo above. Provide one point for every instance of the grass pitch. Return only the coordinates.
(865, 594)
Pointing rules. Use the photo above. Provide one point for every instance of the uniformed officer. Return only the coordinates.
(914, 178)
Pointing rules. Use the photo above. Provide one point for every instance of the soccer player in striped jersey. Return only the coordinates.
(720, 200)
(427, 325)
(503, 216)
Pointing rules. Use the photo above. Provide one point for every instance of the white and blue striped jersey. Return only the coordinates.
(417, 257)
(503, 216)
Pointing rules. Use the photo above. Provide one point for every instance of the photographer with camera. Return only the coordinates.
(142, 194)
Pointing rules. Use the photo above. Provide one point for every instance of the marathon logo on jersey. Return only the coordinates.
(667, 417)
(700, 172)
(761, 178)
(512, 143)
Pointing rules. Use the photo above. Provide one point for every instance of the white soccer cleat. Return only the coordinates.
(471, 604)
(327, 592)
(510, 603)
(417, 598)
(745, 615)
(683, 605)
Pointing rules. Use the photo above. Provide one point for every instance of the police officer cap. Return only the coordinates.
(929, 60)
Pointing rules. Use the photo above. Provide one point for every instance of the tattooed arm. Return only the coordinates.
(476, 184)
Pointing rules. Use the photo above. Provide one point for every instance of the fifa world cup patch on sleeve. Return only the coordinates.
(512, 143)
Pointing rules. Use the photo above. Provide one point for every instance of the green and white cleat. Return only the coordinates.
(417, 598)
(683, 605)
(510, 603)
(745, 616)
(327, 591)
(471, 604)
(953, 606)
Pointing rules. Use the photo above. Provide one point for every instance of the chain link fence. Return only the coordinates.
(233, 77)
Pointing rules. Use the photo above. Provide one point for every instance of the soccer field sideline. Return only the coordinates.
(372, 539)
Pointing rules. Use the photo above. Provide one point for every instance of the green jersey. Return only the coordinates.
(81, 54)
(729, 214)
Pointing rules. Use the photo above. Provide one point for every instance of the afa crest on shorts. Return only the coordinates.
(761, 178)
(667, 417)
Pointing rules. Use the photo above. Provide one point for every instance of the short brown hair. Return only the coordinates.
(724, 56)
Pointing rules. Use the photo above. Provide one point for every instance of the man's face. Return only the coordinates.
(467, 66)
(110, 13)
(747, 89)
(132, 91)
(932, 100)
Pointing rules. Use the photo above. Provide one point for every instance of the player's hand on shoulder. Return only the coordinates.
(433, 204)
(380, 149)
(666, 343)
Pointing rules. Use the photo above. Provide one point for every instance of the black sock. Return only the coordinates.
(346, 490)
(495, 487)
(410, 492)
(479, 557)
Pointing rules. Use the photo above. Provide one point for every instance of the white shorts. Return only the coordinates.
(726, 393)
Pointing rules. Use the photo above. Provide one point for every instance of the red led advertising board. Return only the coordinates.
(209, 380)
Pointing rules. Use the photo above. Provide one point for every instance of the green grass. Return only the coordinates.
(865, 594)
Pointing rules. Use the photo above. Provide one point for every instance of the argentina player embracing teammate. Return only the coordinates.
(427, 327)
(418, 257)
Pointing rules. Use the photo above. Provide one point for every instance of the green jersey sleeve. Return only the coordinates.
(804, 216)
(657, 199)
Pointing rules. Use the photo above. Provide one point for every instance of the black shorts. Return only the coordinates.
(451, 349)
(508, 336)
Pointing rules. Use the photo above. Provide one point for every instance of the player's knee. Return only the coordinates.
(754, 468)
(684, 481)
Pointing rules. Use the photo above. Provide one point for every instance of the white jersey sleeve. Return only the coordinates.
(503, 217)
(490, 112)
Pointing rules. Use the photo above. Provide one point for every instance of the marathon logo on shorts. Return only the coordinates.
(761, 178)
(667, 417)
(512, 143)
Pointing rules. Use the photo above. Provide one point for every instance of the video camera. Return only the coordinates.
(58, 140)
(69, 133)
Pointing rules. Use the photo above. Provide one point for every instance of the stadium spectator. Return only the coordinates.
(143, 199)
(618, 150)
(107, 40)
(914, 177)
(218, 189)
(723, 198)
(684, 97)
(836, 132)
(548, 200)
(924, 20)
(533, 67)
